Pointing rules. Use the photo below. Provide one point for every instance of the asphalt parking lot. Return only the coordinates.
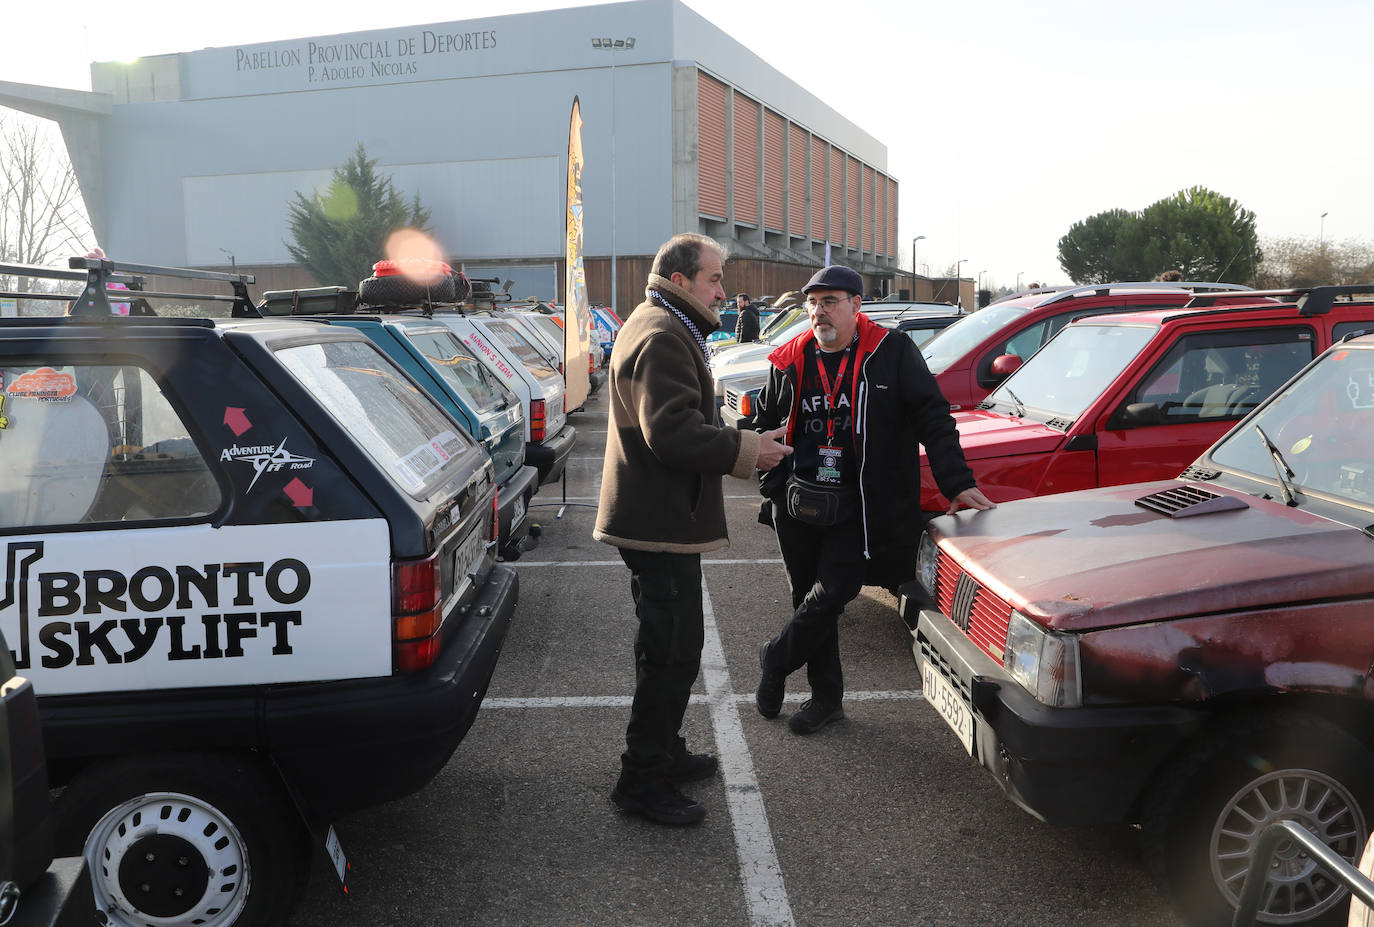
(877, 820)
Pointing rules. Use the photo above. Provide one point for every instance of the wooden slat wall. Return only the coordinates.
(892, 218)
(796, 187)
(774, 177)
(746, 159)
(835, 193)
(880, 190)
(869, 212)
(711, 137)
(820, 193)
(852, 201)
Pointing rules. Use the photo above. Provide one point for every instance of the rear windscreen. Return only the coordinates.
(409, 436)
(515, 342)
(461, 370)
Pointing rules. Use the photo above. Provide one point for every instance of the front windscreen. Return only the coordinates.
(955, 342)
(1073, 369)
(1322, 427)
(400, 426)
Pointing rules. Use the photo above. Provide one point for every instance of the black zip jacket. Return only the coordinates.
(897, 406)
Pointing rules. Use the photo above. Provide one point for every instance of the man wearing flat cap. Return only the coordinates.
(857, 400)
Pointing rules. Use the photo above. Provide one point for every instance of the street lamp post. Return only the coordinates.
(613, 45)
(958, 281)
(980, 281)
(1018, 280)
(1321, 235)
(913, 264)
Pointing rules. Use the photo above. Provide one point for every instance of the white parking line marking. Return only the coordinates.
(765, 896)
(597, 563)
(623, 701)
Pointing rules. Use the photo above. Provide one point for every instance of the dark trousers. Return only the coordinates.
(825, 568)
(667, 593)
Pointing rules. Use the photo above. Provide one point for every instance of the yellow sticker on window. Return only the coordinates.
(1301, 445)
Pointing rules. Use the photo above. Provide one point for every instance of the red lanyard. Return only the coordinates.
(831, 394)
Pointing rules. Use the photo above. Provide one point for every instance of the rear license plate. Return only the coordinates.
(467, 556)
(517, 512)
(948, 705)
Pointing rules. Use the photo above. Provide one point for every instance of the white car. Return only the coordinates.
(502, 344)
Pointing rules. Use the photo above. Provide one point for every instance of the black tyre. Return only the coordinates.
(185, 839)
(400, 290)
(1204, 820)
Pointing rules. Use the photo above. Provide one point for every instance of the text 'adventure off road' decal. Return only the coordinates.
(198, 606)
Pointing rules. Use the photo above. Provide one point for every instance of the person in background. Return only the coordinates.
(856, 400)
(662, 506)
(1172, 276)
(747, 327)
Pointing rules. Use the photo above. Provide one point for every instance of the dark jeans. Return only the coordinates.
(825, 568)
(667, 593)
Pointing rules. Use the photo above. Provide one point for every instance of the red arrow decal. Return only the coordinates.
(301, 495)
(236, 420)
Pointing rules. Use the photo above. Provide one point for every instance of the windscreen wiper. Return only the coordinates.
(1020, 406)
(1281, 468)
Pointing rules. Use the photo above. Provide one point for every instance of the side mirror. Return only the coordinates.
(1138, 414)
(1005, 365)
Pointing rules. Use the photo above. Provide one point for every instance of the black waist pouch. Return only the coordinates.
(814, 504)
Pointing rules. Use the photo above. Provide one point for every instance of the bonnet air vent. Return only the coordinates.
(1182, 501)
(1194, 472)
(1060, 424)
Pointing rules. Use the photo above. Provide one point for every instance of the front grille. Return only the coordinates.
(732, 398)
(980, 614)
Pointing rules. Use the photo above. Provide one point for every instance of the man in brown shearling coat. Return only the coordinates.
(662, 505)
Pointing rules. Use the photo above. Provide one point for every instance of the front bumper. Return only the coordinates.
(551, 457)
(514, 526)
(735, 419)
(1063, 765)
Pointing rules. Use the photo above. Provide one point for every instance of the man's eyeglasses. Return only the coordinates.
(827, 302)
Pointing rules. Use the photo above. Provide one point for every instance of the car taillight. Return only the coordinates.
(538, 421)
(417, 611)
(494, 533)
(560, 368)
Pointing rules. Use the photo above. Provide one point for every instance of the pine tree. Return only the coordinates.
(339, 234)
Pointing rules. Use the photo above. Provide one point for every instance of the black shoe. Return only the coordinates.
(813, 716)
(768, 698)
(691, 767)
(658, 800)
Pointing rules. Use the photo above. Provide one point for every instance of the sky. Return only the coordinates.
(1005, 121)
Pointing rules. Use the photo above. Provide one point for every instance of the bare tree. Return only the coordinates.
(42, 215)
(1290, 262)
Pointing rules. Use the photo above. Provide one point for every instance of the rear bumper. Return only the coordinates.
(1063, 765)
(551, 457)
(513, 512)
(340, 746)
(347, 746)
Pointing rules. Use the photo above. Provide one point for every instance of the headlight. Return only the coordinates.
(1044, 662)
(927, 559)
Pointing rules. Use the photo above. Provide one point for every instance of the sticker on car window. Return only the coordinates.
(266, 458)
(44, 384)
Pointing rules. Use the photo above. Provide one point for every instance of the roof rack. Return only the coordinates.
(99, 274)
(1311, 300)
(1162, 286)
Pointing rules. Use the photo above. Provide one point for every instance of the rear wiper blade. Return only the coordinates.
(1281, 468)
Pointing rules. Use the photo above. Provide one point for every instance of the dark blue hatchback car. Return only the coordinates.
(486, 407)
